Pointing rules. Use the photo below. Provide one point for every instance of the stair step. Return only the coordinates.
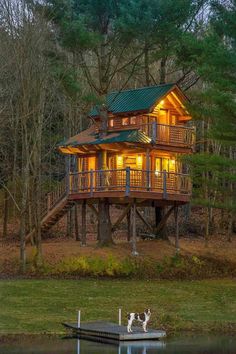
(59, 212)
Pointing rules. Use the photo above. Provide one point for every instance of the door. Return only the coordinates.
(135, 162)
(163, 126)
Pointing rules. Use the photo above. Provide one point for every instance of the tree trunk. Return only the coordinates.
(159, 214)
(163, 71)
(5, 214)
(146, 64)
(104, 224)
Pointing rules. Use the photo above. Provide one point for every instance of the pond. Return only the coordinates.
(178, 345)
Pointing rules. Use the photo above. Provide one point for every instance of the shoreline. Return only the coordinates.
(40, 306)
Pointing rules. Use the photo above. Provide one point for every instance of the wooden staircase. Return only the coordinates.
(55, 205)
(55, 214)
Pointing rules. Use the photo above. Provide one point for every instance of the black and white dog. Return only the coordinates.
(141, 317)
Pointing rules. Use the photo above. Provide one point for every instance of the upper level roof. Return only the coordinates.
(140, 99)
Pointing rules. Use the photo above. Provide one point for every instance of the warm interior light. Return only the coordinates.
(139, 160)
(119, 160)
(157, 173)
(172, 162)
(162, 102)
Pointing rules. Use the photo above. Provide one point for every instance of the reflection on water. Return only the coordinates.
(186, 345)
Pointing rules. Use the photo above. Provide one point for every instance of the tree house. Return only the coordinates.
(130, 155)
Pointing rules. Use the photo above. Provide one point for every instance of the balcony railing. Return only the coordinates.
(170, 134)
(128, 180)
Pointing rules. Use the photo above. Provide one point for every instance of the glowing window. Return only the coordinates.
(111, 122)
(165, 165)
(161, 165)
(133, 120)
(125, 121)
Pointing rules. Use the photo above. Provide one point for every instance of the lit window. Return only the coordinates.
(161, 165)
(165, 165)
(133, 120)
(158, 166)
(111, 122)
(125, 121)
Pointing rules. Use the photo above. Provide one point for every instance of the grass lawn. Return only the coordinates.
(39, 306)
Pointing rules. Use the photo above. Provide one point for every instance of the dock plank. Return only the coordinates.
(109, 330)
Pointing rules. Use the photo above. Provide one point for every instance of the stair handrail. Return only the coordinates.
(51, 199)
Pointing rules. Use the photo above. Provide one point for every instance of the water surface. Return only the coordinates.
(180, 345)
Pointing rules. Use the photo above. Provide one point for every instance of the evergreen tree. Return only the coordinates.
(214, 58)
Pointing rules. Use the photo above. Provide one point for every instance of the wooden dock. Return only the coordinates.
(108, 331)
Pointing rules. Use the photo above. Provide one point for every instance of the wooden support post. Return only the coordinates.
(121, 217)
(104, 223)
(176, 213)
(161, 220)
(164, 184)
(83, 224)
(144, 221)
(148, 168)
(91, 183)
(77, 238)
(134, 231)
(94, 210)
(127, 185)
(67, 174)
(128, 226)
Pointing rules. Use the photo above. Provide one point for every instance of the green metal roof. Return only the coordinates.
(134, 136)
(140, 99)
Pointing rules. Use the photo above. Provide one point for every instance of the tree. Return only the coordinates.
(214, 58)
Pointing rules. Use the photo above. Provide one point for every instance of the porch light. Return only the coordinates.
(162, 102)
(157, 173)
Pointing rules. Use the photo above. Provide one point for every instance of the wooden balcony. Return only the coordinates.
(131, 183)
(175, 135)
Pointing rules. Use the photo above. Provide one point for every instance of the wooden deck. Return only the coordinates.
(111, 331)
(130, 183)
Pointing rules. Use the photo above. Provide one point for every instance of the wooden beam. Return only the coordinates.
(144, 221)
(172, 101)
(121, 217)
(92, 207)
(164, 220)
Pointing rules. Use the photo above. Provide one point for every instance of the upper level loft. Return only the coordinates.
(155, 116)
(158, 111)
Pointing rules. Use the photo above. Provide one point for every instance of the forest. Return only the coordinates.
(58, 58)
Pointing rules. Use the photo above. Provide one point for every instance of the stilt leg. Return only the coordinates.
(76, 223)
(128, 226)
(176, 213)
(134, 235)
(83, 224)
